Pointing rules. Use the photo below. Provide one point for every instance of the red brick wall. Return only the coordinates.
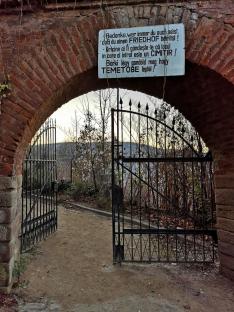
(51, 57)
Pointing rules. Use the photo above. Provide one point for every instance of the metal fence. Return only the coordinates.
(39, 195)
(162, 189)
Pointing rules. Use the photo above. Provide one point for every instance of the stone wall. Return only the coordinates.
(10, 222)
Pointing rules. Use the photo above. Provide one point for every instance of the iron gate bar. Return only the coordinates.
(35, 202)
(211, 232)
(143, 230)
(113, 183)
(143, 181)
(158, 121)
(38, 218)
(144, 242)
(169, 231)
(39, 197)
(163, 159)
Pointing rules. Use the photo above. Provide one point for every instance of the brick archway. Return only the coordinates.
(51, 57)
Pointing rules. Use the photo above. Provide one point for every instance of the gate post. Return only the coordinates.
(224, 190)
(10, 220)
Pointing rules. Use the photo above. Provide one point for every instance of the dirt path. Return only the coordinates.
(73, 271)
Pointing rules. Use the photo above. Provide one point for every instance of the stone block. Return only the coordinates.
(225, 236)
(5, 232)
(8, 183)
(154, 11)
(224, 197)
(147, 12)
(3, 274)
(225, 211)
(176, 19)
(224, 181)
(227, 272)
(140, 12)
(133, 22)
(130, 12)
(163, 10)
(7, 215)
(19, 180)
(178, 11)
(226, 261)
(225, 224)
(11, 230)
(6, 273)
(9, 250)
(186, 16)
(8, 198)
(226, 248)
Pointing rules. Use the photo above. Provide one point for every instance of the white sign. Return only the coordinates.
(141, 51)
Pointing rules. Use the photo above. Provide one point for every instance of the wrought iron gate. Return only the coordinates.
(162, 189)
(39, 189)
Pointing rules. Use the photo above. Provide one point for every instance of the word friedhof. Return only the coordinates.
(141, 51)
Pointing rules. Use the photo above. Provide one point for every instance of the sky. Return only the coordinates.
(65, 114)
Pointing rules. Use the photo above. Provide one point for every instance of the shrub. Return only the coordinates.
(81, 189)
(103, 203)
(64, 186)
(19, 267)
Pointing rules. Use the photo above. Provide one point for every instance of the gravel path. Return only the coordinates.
(72, 271)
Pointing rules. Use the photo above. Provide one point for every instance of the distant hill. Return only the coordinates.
(66, 150)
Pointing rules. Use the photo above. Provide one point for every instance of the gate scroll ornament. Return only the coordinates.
(163, 205)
